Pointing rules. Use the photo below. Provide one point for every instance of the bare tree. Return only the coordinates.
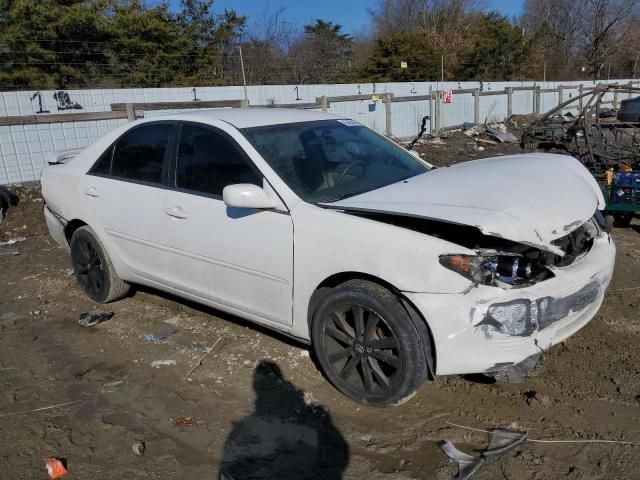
(555, 25)
(446, 25)
(266, 46)
(603, 30)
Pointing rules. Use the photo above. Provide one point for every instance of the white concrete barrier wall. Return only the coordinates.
(23, 147)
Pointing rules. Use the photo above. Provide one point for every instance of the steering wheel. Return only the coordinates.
(349, 167)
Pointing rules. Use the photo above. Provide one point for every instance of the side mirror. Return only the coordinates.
(246, 195)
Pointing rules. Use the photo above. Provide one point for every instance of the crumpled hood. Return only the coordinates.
(529, 198)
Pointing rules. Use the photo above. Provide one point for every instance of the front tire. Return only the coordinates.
(93, 268)
(367, 344)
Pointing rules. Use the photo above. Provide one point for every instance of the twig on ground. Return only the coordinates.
(203, 357)
(41, 409)
(620, 442)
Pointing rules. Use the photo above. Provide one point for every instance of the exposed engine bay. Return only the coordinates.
(498, 261)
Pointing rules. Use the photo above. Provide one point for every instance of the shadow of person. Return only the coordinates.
(284, 438)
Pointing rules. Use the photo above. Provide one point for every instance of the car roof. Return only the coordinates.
(253, 117)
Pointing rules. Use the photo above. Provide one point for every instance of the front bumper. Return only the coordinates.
(470, 337)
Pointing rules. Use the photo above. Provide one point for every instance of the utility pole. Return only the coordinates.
(544, 72)
(244, 80)
(442, 68)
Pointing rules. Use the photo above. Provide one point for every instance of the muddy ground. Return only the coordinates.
(258, 388)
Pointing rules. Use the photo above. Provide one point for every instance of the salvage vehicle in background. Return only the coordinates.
(629, 110)
(609, 147)
(318, 227)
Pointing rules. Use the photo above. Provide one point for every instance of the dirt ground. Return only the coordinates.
(257, 389)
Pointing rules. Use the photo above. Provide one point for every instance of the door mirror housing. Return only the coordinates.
(247, 195)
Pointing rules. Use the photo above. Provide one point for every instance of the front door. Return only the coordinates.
(240, 259)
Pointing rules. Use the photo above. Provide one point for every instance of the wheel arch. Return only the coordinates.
(418, 319)
(71, 227)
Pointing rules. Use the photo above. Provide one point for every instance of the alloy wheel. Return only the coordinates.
(88, 267)
(361, 348)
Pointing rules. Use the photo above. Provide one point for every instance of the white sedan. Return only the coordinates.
(316, 226)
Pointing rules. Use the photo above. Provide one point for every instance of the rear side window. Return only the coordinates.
(103, 165)
(139, 154)
(208, 161)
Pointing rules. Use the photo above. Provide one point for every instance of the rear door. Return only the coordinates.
(124, 191)
(240, 259)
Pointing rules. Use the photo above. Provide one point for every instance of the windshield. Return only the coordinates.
(328, 160)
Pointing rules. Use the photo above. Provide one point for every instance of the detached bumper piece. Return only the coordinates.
(502, 440)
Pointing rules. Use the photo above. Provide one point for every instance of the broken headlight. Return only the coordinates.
(492, 269)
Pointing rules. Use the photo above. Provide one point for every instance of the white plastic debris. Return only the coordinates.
(13, 240)
(162, 363)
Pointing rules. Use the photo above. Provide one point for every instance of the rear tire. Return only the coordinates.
(623, 220)
(93, 268)
(367, 345)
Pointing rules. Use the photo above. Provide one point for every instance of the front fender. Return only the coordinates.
(329, 242)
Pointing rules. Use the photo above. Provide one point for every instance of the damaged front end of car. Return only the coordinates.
(521, 298)
(519, 266)
(512, 264)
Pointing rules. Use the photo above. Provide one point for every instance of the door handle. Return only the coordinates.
(176, 212)
(91, 192)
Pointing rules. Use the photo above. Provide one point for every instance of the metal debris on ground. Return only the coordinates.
(467, 464)
(502, 440)
(472, 130)
(138, 448)
(91, 319)
(501, 134)
(12, 251)
(517, 373)
(13, 240)
(190, 420)
(162, 363)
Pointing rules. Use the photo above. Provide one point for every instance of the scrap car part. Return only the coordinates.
(502, 440)
(593, 136)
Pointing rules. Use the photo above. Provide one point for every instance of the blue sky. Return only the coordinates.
(352, 14)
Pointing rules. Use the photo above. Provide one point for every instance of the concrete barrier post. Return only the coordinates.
(324, 103)
(387, 111)
(131, 112)
(476, 105)
(580, 93)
